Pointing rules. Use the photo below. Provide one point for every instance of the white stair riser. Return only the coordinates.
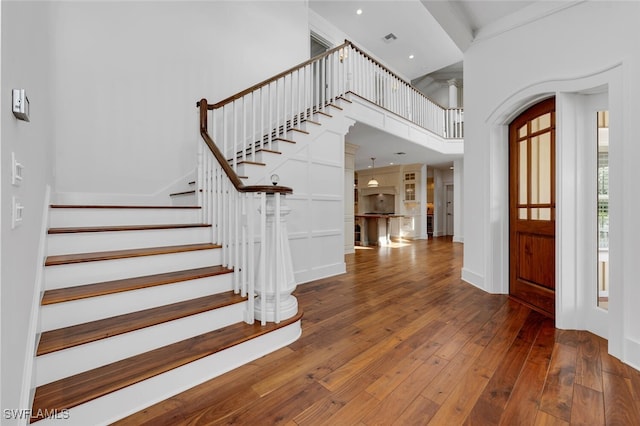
(249, 170)
(59, 276)
(265, 157)
(60, 364)
(66, 217)
(88, 242)
(136, 397)
(74, 312)
(284, 147)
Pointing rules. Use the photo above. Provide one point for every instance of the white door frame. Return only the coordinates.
(570, 312)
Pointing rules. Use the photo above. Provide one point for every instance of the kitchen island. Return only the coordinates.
(375, 228)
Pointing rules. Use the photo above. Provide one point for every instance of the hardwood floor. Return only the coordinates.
(401, 340)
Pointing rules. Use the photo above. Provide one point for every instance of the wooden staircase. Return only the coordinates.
(136, 308)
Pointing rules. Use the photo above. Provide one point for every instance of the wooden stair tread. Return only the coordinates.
(284, 140)
(183, 193)
(75, 390)
(73, 230)
(106, 206)
(251, 162)
(122, 254)
(67, 294)
(68, 337)
(295, 129)
(344, 99)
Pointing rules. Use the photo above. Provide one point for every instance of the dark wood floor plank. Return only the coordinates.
(588, 364)
(524, 401)
(587, 407)
(496, 394)
(620, 407)
(400, 339)
(557, 395)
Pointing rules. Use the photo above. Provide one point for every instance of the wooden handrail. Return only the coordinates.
(276, 77)
(231, 174)
(346, 43)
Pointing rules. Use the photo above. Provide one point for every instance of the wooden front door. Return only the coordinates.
(532, 207)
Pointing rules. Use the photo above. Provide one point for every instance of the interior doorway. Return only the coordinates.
(532, 203)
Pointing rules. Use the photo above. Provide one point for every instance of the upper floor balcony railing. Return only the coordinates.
(252, 119)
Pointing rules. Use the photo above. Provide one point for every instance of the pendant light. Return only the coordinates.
(373, 183)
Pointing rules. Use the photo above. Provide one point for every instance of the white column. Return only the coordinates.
(453, 93)
(277, 282)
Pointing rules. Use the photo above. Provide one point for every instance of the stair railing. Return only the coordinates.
(255, 118)
(247, 222)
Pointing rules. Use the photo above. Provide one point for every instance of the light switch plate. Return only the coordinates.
(16, 170)
(17, 212)
(20, 104)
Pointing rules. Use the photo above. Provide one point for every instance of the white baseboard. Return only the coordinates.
(317, 273)
(632, 353)
(473, 278)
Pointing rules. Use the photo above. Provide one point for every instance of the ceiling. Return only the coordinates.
(436, 33)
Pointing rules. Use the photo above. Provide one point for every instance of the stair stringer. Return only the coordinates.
(136, 397)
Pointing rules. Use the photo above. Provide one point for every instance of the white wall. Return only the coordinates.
(26, 59)
(316, 225)
(564, 52)
(128, 75)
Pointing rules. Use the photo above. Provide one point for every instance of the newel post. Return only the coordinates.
(274, 286)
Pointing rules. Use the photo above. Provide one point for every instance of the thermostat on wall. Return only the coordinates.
(20, 104)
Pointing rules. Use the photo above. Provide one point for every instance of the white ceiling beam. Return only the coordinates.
(451, 22)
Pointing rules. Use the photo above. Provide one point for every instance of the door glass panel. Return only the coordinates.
(544, 168)
(522, 213)
(603, 209)
(544, 213)
(522, 172)
(541, 169)
(535, 170)
(541, 123)
(522, 132)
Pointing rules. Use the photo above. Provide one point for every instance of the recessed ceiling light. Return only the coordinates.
(410, 56)
(359, 12)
